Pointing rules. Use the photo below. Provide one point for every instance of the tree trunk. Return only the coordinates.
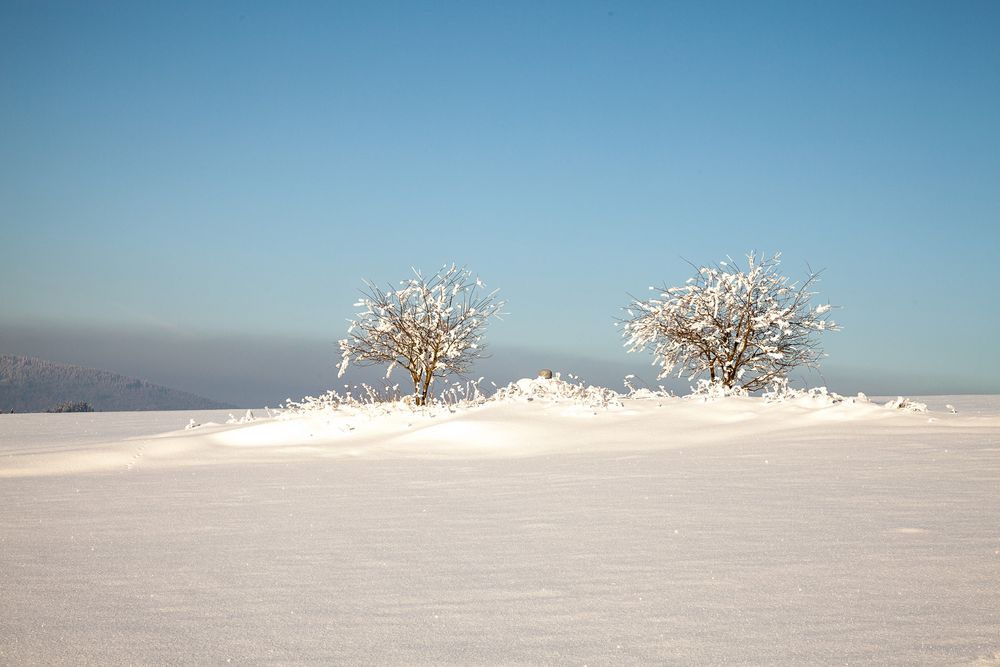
(417, 396)
(425, 388)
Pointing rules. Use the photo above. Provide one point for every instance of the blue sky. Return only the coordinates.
(200, 172)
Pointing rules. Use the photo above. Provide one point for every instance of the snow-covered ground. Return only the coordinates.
(660, 531)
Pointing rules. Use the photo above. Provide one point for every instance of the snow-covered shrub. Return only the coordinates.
(463, 394)
(707, 391)
(557, 390)
(245, 419)
(743, 328)
(906, 404)
(366, 399)
(644, 393)
(374, 402)
(361, 397)
(429, 327)
(457, 396)
(781, 392)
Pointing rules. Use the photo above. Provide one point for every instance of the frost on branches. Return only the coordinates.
(430, 327)
(743, 327)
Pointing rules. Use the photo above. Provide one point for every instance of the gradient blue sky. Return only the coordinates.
(231, 171)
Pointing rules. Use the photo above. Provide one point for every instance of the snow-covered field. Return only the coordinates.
(661, 531)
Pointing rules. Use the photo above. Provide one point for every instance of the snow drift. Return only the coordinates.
(532, 417)
(553, 525)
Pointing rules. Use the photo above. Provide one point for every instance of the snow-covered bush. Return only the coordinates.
(781, 391)
(463, 394)
(373, 401)
(647, 392)
(557, 390)
(708, 390)
(430, 327)
(367, 400)
(744, 328)
(906, 404)
(245, 419)
(358, 397)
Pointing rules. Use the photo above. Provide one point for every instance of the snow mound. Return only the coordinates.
(530, 417)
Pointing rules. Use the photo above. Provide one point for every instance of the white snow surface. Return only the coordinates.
(532, 530)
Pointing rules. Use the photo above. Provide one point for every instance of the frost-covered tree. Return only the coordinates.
(428, 326)
(743, 327)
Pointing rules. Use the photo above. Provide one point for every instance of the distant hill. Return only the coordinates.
(33, 385)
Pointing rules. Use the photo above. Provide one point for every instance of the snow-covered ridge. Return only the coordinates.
(572, 391)
(531, 417)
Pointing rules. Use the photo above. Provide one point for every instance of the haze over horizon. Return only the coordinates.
(192, 193)
(256, 371)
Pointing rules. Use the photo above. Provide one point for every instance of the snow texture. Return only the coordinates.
(544, 528)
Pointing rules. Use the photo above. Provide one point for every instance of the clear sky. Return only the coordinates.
(206, 174)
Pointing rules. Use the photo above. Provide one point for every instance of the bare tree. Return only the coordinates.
(428, 326)
(743, 327)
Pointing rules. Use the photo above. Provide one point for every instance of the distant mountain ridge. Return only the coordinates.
(33, 385)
